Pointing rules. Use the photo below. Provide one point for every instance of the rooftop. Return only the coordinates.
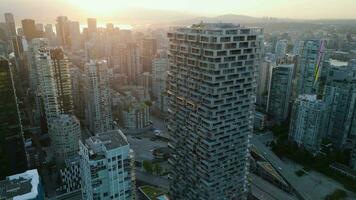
(20, 186)
(110, 140)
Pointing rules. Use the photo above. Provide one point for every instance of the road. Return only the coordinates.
(282, 168)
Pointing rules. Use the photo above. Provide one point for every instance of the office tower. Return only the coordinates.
(50, 35)
(64, 132)
(63, 31)
(91, 26)
(98, 110)
(298, 47)
(340, 94)
(280, 92)
(149, 50)
(74, 34)
(24, 186)
(132, 65)
(10, 21)
(11, 134)
(47, 84)
(211, 89)
(263, 82)
(29, 29)
(281, 48)
(61, 74)
(308, 122)
(310, 66)
(107, 167)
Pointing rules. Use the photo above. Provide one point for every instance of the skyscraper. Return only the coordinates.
(10, 21)
(62, 30)
(98, 110)
(106, 167)
(307, 126)
(280, 92)
(74, 34)
(310, 66)
(12, 157)
(64, 132)
(91, 26)
(211, 89)
(60, 65)
(149, 50)
(340, 94)
(29, 29)
(47, 85)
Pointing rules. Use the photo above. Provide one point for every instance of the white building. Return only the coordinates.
(307, 126)
(107, 167)
(211, 89)
(98, 110)
(65, 134)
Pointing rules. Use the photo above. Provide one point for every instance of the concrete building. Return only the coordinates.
(98, 110)
(308, 122)
(310, 67)
(149, 50)
(70, 175)
(10, 21)
(29, 29)
(298, 47)
(91, 27)
(65, 133)
(60, 65)
(74, 35)
(263, 82)
(211, 90)
(11, 137)
(24, 186)
(280, 92)
(281, 48)
(47, 87)
(340, 94)
(107, 167)
(62, 31)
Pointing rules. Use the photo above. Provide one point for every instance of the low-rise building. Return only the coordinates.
(24, 186)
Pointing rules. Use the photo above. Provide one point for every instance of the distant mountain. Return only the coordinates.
(229, 18)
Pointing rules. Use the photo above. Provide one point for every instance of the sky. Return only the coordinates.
(129, 10)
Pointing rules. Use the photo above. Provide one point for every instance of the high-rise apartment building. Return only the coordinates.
(149, 50)
(12, 157)
(98, 110)
(47, 86)
(64, 132)
(308, 122)
(74, 34)
(281, 48)
(298, 47)
(61, 74)
(10, 22)
(280, 92)
(263, 82)
(310, 66)
(211, 89)
(340, 94)
(107, 167)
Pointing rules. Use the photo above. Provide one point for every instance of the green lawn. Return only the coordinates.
(151, 192)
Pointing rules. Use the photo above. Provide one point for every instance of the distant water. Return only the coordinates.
(121, 26)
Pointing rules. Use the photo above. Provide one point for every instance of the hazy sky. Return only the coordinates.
(46, 10)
